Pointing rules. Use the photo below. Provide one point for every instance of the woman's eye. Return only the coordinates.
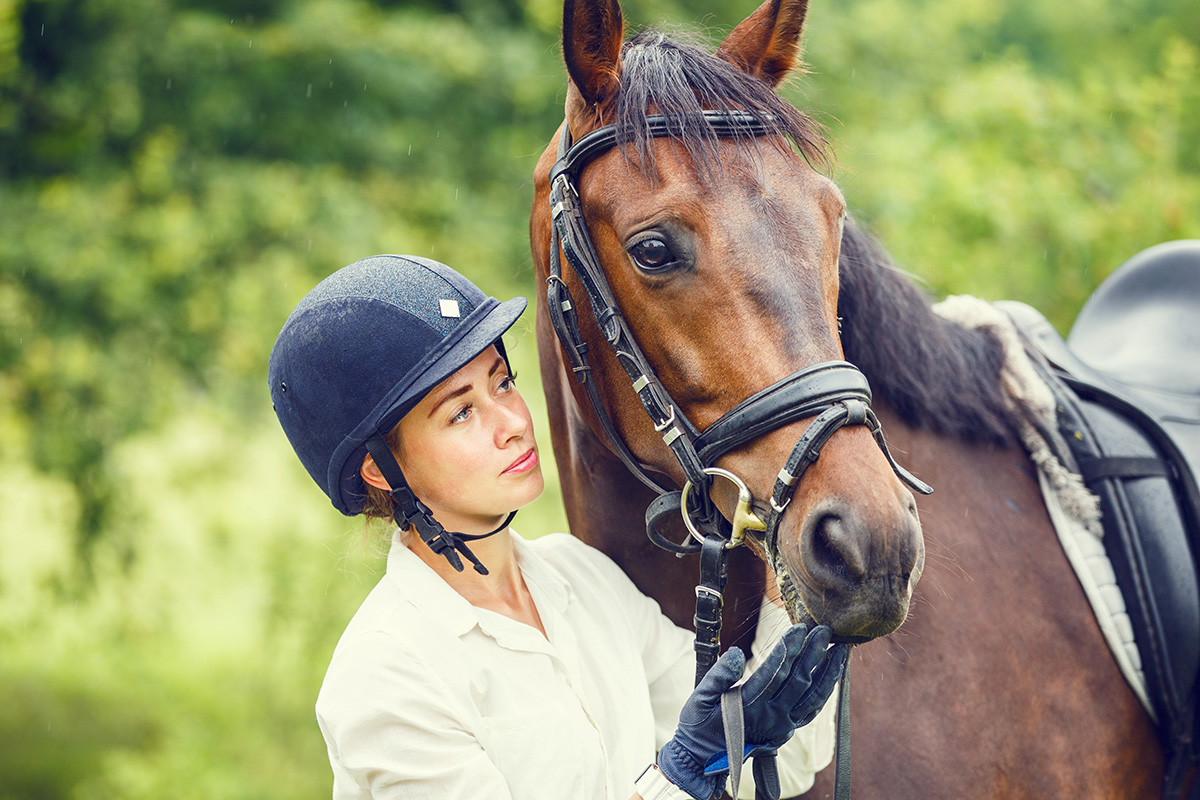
(507, 383)
(463, 414)
(652, 255)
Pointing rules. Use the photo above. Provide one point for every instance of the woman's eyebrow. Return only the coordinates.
(465, 387)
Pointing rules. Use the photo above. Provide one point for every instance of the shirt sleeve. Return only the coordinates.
(393, 730)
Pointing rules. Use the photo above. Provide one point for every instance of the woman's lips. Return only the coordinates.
(526, 462)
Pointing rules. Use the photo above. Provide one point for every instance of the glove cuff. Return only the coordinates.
(681, 768)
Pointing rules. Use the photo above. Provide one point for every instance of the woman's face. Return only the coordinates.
(467, 449)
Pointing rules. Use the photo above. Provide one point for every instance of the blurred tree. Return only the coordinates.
(176, 177)
(177, 172)
(1016, 150)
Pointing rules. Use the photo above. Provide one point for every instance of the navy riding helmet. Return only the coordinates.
(358, 352)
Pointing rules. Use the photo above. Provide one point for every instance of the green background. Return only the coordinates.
(174, 176)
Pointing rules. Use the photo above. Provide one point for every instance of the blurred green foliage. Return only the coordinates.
(175, 174)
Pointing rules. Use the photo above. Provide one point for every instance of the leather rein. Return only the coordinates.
(833, 393)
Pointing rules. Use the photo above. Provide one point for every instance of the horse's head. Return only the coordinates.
(721, 251)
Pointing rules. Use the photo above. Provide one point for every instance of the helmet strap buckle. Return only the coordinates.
(410, 511)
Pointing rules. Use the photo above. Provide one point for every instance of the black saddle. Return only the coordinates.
(1127, 387)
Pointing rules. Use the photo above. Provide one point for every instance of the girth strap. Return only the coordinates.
(1094, 469)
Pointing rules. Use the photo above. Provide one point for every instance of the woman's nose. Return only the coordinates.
(511, 421)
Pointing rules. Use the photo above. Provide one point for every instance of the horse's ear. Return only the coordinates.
(592, 34)
(767, 43)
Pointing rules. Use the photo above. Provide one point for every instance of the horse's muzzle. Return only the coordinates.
(851, 572)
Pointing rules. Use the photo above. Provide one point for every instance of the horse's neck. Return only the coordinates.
(934, 373)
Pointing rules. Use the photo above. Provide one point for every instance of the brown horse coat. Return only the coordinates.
(999, 685)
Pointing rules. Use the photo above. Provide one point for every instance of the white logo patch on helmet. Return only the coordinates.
(449, 308)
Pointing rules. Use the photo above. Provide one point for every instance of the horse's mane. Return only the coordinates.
(935, 374)
(679, 80)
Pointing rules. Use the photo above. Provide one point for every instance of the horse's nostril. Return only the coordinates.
(835, 550)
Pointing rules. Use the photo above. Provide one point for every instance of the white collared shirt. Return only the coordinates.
(428, 696)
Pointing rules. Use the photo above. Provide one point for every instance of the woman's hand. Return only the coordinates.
(784, 693)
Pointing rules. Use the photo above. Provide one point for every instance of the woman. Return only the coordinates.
(539, 672)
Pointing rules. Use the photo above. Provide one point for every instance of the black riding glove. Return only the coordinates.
(786, 691)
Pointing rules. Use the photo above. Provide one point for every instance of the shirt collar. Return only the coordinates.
(426, 590)
(541, 574)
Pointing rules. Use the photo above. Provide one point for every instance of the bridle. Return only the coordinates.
(833, 393)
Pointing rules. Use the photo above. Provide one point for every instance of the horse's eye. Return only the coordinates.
(652, 255)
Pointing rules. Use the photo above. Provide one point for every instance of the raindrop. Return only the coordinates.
(345, 103)
(456, 194)
(252, 43)
(168, 83)
(310, 245)
(410, 149)
(309, 91)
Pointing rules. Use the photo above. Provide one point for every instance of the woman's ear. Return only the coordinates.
(370, 474)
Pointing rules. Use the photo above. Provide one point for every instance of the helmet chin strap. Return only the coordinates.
(411, 511)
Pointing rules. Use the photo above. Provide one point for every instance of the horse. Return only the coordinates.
(733, 263)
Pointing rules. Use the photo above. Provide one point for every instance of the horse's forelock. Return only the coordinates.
(679, 79)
